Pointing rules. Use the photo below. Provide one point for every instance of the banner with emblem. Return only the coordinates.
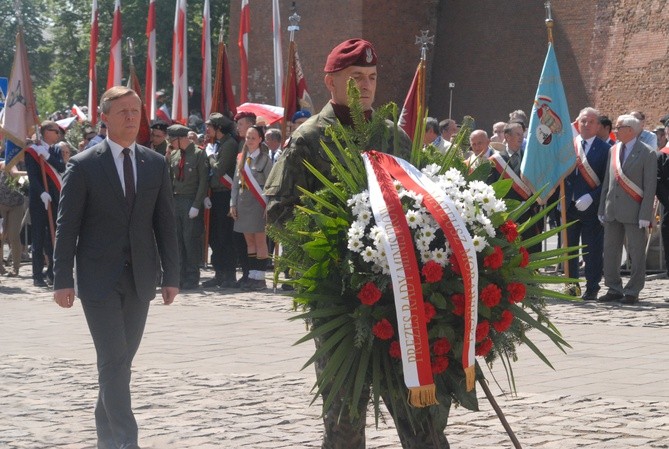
(549, 154)
(19, 116)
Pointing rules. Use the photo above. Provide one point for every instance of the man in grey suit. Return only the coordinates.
(116, 217)
(626, 209)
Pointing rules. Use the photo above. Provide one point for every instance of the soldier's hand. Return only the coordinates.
(207, 203)
(192, 213)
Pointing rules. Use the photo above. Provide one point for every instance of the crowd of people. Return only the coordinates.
(224, 178)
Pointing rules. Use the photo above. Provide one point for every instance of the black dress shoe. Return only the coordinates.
(189, 286)
(39, 282)
(213, 282)
(629, 299)
(610, 297)
(589, 295)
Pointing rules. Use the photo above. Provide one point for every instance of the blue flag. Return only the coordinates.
(549, 154)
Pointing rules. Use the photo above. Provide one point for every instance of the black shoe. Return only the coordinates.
(189, 285)
(242, 282)
(630, 299)
(228, 284)
(610, 297)
(213, 282)
(287, 287)
(589, 295)
(39, 282)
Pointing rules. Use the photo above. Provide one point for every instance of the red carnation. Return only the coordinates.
(516, 291)
(482, 330)
(484, 348)
(432, 272)
(441, 346)
(510, 230)
(394, 350)
(504, 322)
(369, 294)
(383, 330)
(439, 365)
(491, 295)
(495, 259)
(454, 265)
(458, 300)
(430, 311)
(525, 257)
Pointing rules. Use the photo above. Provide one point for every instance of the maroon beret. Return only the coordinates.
(351, 52)
(244, 114)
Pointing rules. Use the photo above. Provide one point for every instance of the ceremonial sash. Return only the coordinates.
(226, 181)
(584, 167)
(405, 275)
(251, 183)
(627, 184)
(50, 171)
(503, 168)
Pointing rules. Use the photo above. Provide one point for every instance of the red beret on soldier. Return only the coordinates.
(357, 52)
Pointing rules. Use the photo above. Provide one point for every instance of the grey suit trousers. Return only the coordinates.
(615, 233)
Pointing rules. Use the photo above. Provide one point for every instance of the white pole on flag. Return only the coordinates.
(278, 56)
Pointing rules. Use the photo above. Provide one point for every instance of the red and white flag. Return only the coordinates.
(296, 95)
(412, 110)
(78, 113)
(206, 61)
(92, 67)
(278, 55)
(179, 65)
(243, 42)
(150, 101)
(115, 63)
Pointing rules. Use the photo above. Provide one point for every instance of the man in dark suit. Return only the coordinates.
(41, 195)
(506, 164)
(626, 209)
(583, 188)
(116, 215)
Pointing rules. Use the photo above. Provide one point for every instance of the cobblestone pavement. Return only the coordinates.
(218, 369)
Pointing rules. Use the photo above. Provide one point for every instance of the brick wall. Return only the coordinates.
(612, 53)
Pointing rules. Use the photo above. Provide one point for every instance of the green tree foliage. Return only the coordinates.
(57, 35)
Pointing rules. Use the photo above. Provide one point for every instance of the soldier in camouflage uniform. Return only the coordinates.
(355, 59)
(189, 172)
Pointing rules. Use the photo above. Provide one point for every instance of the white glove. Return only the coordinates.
(42, 150)
(584, 202)
(46, 199)
(192, 213)
(601, 218)
(207, 202)
(644, 224)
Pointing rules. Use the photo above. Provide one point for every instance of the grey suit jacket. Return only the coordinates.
(96, 227)
(641, 168)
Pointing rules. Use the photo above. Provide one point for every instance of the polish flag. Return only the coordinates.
(92, 68)
(243, 42)
(179, 65)
(78, 113)
(206, 61)
(412, 110)
(115, 62)
(150, 101)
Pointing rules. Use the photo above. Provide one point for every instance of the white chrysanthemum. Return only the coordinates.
(431, 170)
(369, 254)
(428, 233)
(455, 177)
(425, 256)
(414, 219)
(422, 244)
(500, 206)
(377, 234)
(440, 256)
(355, 245)
(479, 243)
(365, 217)
(357, 230)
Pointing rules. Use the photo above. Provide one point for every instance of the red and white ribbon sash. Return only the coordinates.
(503, 168)
(251, 183)
(401, 255)
(584, 167)
(49, 169)
(446, 215)
(444, 211)
(226, 181)
(626, 183)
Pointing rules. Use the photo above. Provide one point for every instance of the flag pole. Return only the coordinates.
(563, 201)
(294, 20)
